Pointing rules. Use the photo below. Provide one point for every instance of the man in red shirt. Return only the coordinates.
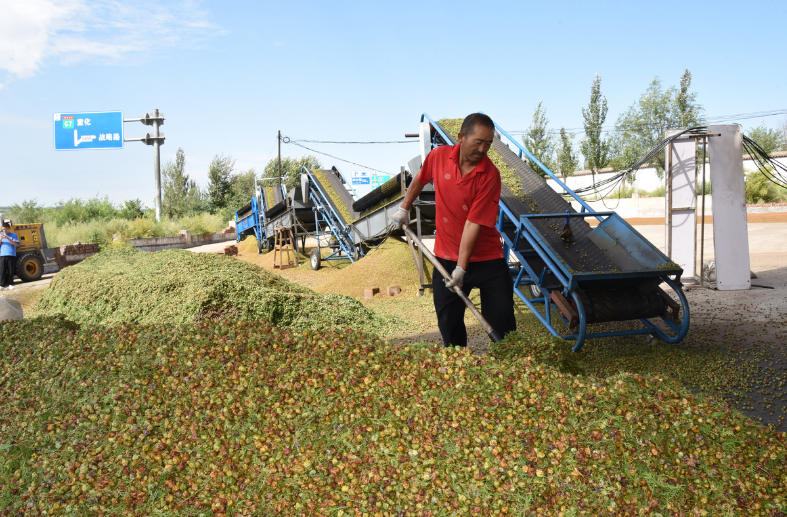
(467, 192)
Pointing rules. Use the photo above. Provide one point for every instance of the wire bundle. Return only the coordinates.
(774, 171)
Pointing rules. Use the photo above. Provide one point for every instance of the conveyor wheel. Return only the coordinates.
(535, 291)
(315, 259)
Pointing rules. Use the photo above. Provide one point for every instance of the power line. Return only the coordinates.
(647, 127)
(376, 142)
(293, 142)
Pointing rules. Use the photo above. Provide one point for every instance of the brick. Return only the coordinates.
(369, 293)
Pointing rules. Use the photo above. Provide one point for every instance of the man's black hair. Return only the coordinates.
(470, 121)
(6, 225)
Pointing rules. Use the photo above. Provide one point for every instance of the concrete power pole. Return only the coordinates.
(157, 159)
(279, 159)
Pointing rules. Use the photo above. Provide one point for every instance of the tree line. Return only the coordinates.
(227, 189)
(636, 131)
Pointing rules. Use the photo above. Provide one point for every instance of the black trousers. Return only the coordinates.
(7, 271)
(494, 280)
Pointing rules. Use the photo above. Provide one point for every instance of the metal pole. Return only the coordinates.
(279, 137)
(702, 225)
(669, 201)
(157, 162)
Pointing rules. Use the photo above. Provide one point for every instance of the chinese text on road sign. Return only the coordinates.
(91, 130)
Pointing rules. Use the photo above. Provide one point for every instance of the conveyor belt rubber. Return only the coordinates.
(536, 197)
(244, 212)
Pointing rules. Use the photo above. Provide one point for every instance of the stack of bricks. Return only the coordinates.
(228, 229)
(79, 248)
(231, 250)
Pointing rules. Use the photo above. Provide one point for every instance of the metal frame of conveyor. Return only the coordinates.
(558, 287)
(326, 216)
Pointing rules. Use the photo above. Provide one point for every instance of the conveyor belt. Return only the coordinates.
(344, 196)
(580, 254)
(328, 197)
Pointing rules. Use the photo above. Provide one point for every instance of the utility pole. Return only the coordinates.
(156, 119)
(279, 159)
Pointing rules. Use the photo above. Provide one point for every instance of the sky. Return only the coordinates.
(228, 75)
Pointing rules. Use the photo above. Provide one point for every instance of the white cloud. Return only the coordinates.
(34, 33)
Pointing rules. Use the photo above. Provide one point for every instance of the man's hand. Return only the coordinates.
(401, 218)
(457, 278)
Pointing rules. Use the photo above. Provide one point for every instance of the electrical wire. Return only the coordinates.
(287, 140)
(372, 142)
(612, 182)
(649, 127)
(776, 174)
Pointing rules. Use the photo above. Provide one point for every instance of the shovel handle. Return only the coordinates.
(493, 335)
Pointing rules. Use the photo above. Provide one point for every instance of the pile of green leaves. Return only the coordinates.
(240, 418)
(177, 287)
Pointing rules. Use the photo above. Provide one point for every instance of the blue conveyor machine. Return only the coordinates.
(603, 274)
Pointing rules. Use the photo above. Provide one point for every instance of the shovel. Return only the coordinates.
(494, 336)
(566, 234)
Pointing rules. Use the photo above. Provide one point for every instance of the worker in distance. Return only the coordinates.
(8, 243)
(467, 191)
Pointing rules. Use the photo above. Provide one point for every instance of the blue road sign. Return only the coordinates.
(88, 130)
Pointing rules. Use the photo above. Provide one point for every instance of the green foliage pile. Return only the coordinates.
(178, 287)
(245, 419)
(506, 173)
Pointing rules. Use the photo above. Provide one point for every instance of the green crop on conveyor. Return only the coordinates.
(270, 197)
(452, 125)
(331, 193)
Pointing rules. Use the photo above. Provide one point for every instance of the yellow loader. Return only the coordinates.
(32, 251)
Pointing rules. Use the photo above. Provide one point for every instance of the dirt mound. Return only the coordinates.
(390, 264)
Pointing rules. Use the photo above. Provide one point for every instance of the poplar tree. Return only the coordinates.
(567, 161)
(594, 147)
(539, 141)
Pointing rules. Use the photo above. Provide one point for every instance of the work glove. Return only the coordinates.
(457, 278)
(401, 218)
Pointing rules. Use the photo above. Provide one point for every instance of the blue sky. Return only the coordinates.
(228, 75)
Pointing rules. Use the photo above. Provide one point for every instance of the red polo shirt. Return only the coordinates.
(473, 198)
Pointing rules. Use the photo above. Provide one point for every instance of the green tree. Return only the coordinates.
(539, 141)
(28, 212)
(644, 124)
(290, 169)
(760, 189)
(566, 161)
(242, 187)
(594, 147)
(220, 182)
(771, 140)
(132, 209)
(180, 194)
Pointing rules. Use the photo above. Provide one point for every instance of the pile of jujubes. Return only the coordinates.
(241, 418)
